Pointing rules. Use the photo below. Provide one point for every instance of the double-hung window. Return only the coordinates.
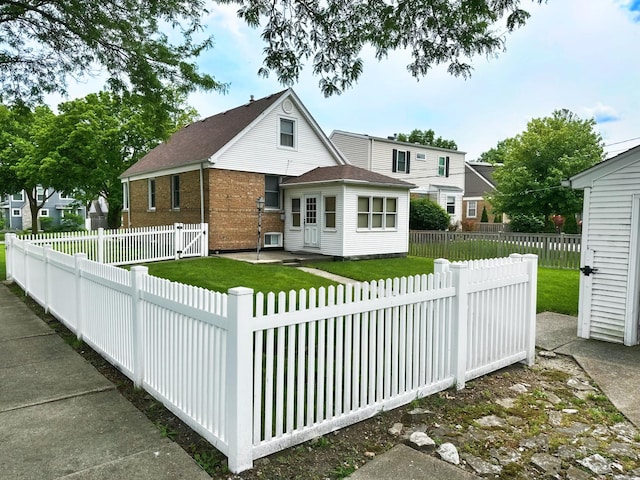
(175, 192)
(295, 212)
(443, 166)
(287, 133)
(330, 212)
(125, 196)
(451, 205)
(377, 213)
(272, 191)
(18, 197)
(472, 208)
(400, 161)
(151, 189)
(40, 194)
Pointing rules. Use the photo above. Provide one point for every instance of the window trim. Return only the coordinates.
(407, 161)
(453, 203)
(41, 194)
(294, 134)
(296, 213)
(326, 211)
(175, 192)
(43, 212)
(13, 212)
(475, 208)
(278, 191)
(14, 199)
(151, 194)
(125, 196)
(384, 214)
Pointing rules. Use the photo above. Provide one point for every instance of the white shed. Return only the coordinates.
(346, 212)
(610, 259)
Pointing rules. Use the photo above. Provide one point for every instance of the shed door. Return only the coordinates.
(311, 237)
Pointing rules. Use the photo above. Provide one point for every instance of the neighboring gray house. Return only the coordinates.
(17, 214)
(610, 256)
(437, 173)
(346, 212)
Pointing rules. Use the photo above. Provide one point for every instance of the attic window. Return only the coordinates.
(287, 133)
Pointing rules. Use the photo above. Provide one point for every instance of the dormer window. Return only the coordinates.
(287, 133)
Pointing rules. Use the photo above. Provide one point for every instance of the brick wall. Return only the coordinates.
(189, 211)
(230, 206)
(471, 221)
(233, 217)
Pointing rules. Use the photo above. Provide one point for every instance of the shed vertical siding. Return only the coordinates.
(259, 151)
(609, 237)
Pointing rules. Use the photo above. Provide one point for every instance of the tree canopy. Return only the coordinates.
(146, 44)
(83, 150)
(536, 161)
(427, 137)
(44, 42)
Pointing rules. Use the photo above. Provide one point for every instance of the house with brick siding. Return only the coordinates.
(213, 171)
(479, 183)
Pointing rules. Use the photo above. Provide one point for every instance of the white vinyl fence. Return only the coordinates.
(254, 374)
(131, 245)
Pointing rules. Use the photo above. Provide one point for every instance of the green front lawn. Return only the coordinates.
(221, 274)
(3, 263)
(557, 288)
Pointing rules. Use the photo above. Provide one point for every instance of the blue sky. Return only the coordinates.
(580, 55)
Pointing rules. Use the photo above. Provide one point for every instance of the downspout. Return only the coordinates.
(128, 203)
(201, 194)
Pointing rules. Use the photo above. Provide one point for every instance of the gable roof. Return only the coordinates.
(346, 174)
(478, 179)
(587, 177)
(199, 141)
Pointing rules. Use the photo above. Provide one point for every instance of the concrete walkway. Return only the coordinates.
(60, 418)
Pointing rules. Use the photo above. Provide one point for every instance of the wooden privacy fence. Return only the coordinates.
(131, 245)
(254, 374)
(553, 250)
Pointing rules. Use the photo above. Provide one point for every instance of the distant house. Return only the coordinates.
(17, 213)
(345, 211)
(478, 183)
(437, 173)
(609, 307)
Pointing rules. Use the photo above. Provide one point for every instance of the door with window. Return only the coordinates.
(311, 231)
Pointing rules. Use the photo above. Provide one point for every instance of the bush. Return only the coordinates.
(72, 222)
(570, 224)
(497, 218)
(527, 224)
(46, 224)
(425, 214)
(485, 217)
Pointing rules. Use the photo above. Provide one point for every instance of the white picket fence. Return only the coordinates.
(254, 374)
(126, 246)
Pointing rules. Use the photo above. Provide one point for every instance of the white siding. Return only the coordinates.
(258, 149)
(608, 236)
(375, 242)
(354, 148)
(331, 240)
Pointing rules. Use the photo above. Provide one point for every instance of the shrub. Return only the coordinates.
(570, 224)
(425, 214)
(497, 218)
(72, 222)
(46, 224)
(468, 226)
(527, 224)
(485, 217)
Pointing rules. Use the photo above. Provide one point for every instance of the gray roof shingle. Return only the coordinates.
(346, 173)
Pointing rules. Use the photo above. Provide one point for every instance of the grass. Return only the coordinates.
(221, 274)
(558, 289)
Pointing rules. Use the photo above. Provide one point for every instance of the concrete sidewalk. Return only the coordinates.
(60, 418)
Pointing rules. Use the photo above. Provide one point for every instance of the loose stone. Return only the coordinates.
(518, 388)
(506, 402)
(482, 468)
(417, 415)
(449, 453)
(422, 441)
(491, 421)
(396, 429)
(597, 464)
(548, 464)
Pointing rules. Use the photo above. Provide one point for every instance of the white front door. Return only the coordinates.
(311, 237)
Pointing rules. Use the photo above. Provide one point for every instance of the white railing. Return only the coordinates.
(131, 245)
(254, 374)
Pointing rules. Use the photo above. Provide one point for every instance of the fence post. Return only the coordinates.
(100, 258)
(204, 246)
(8, 246)
(137, 338)
(46, 249)
(240, 378)
(460, 271)
(532, 289)
(178, 240)
(441, 265)
(78, 258)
